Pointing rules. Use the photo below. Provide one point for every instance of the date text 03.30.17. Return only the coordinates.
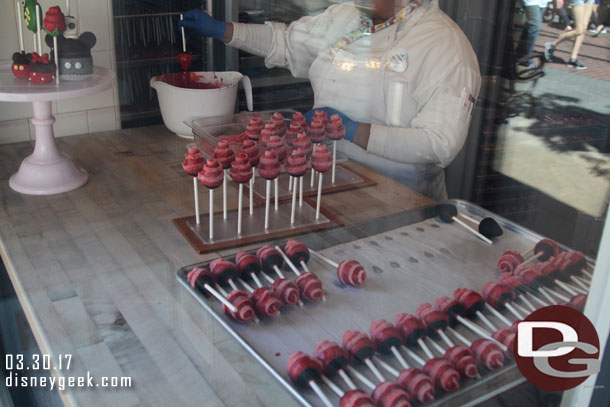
(36, 361)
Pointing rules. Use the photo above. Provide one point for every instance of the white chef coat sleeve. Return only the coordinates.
(439, 129)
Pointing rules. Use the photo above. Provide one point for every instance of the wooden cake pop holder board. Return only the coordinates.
(411, 258)
(253, 226)
(345, 180)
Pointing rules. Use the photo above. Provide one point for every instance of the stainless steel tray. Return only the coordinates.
(411, 258)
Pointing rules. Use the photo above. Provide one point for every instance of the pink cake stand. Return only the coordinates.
(48, 171)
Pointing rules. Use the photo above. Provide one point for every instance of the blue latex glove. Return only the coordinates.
(349, 124)
(202, 24)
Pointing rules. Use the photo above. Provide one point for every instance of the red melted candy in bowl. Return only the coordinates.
(191, 80)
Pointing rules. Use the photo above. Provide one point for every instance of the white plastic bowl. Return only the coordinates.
(178, 104)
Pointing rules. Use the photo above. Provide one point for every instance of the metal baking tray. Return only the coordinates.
(411, 258)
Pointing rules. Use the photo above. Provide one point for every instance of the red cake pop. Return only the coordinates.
(335, 129)
(432, 318)
(278, 121)
(505, 336)
(351, 272)
(532, 277)
(241, 170)
(286, 290)
(254, 128)
(385, 336)
(411, 328)
(247, 264)
(292, 133)
(547, 247)
(267, 304)
(358, 345)
(198, 277)
(224, 271)
(322, 159)
(321, 116)
(514, 282)
(463, 360)
(303, 142)
(276, 145)
(269, 257)
(332, 356)
(224, 154)
(417, 384)
(509, 261)
(496, 294)
(487, 353)
(451, 307)
(316, 131)
(250, 147)
(193, 161)
(388, 394)
(244, 305)
(470, 299)
(296, 165)
(296, 251)
(266, 133)
(311, 286)
(298, 118)
(212, 174)
(302, 369)
(442, 372)
(356, 398)
(269, 166)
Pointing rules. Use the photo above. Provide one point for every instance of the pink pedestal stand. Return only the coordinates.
(48, 171)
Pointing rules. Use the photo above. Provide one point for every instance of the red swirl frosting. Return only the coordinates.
(384, 336)
(316, 131)
(296, 164)
(254, 128)
(471, 300)
(332, 356)
(321, 116)
(247, 263)
(291, 134)
(276, 145)
(532, 277)
(351, 272)
(411, 328)
(224, 154)
(296, 251)
(322, 159)
(269, 257)
(442, 372)
(286, 290)
(299, 118)
(388, 394)
(241, 169)
(488, 353)
(244, 305)
(335, 129)
(311, 286)
(266, 302)
(451, 307)
(578, 302)
(357, 344)
(417, 384)
(269, 166)
(547, 246)
(505, 336)
(514, 282)
(509, 261)
(303, 142)
(212, 174)
(250, 147)
(496, 294)
(223, 270)
(356, 398)
(193, 161)
(200, 276)
(302, 368)
(433, 318)
(548, 269)
(463, 360)
(278, 121)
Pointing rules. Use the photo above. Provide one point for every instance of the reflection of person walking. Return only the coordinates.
(581, 9)
(533, 13)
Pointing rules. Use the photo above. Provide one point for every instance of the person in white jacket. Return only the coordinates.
(402, 75)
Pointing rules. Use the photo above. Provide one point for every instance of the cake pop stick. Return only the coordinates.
(182, 33)
(211, 176)
(250, 147)
(20, 27)
(192, 165)
(488, 351)
(304, 372)
(448, 213)
(413, 380)
(269, 168)
(38, 29)
(331, 385)
(201, 278)
(277, 194)
(335, 131)
(362, 378)
(241, 172)
(285, 289)
(321, 162)
(224, 155)
(296, 165)
(309, 283)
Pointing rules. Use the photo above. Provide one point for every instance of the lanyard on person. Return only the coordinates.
(368, 28)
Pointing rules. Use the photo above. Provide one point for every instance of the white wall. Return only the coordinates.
(75, 116)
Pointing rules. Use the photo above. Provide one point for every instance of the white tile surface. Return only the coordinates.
(14, 130)
(97, 101)
(101, 120)
(94, 17)
(15, 110)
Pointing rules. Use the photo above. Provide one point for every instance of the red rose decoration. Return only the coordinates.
(54, 21)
